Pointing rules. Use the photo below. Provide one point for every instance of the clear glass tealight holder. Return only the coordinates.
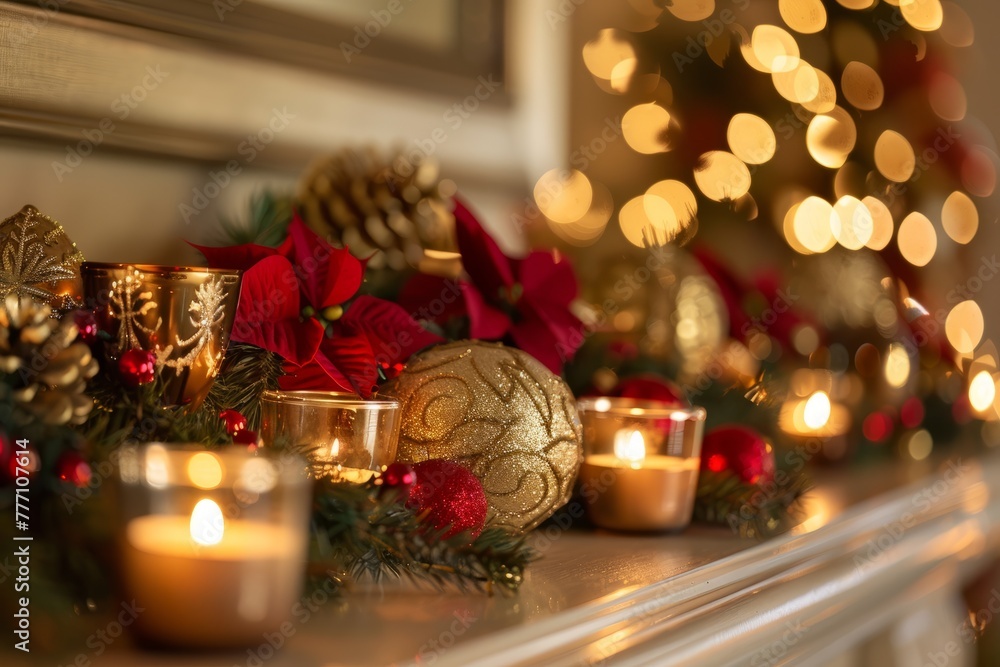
(345, 437)
(641, 461)
(214, 543)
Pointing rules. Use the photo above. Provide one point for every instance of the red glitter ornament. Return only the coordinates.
(137, 367)
(86, 326)
(739, 450)
(400, 477)
(235, 422)
(450, 495)
(73, 469)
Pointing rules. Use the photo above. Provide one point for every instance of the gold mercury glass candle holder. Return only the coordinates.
(344, 436)
(641, 461)
(214, 543)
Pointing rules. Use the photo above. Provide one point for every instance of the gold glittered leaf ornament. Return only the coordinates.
(39, 261)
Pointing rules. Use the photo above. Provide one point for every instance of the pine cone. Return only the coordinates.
(49, 370)
(392, 211)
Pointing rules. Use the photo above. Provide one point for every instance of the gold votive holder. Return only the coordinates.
(344, 436)
(214, 543)
(641, 461)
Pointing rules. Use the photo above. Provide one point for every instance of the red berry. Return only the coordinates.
(86, 325)
(245, 437)
(137, 367)
(401, 477)
(73, 469)
(235, 422)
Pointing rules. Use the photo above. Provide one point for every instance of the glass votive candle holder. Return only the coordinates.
(641, 461)
(214, 543)
(344, 436)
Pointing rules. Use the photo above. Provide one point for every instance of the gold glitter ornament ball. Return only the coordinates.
(501, 414)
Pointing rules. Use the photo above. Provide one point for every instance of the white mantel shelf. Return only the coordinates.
(877, 546)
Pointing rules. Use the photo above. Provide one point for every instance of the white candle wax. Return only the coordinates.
(211, 595)
(646, 494)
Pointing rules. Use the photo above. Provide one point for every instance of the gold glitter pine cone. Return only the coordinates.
(391, 210)
(52, 370)
(39, 261)
(501, 414)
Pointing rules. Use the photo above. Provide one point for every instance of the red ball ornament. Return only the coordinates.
(73, 469)
(739, 450)
(137, 367)
(245, 437)
(450, 495)
(400, 477)
(235, 422)
(86, 326)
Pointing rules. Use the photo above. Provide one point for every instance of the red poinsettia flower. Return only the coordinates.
(292, 303)
(526, 300)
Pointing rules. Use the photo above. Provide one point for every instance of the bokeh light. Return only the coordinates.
(959, 217)
(964, 327)
(831, 137)
(645, 128)
(917, 239)
(751, 139)
(722, 176)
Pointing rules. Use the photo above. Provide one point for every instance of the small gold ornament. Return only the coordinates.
(49, 370)
(500, 413)
(38, 260)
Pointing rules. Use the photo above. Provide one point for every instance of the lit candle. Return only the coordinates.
(646, 477)
(225, 571)
(346, 437)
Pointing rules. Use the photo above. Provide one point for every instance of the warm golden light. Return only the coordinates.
(926, 15)
(775, 48)
(897, 366)
(799, 85)
(630, 448)
(156, 467)
(751, 139)
(831, 137)
(645, 128)
(603, 54)
(207, 523)
(920, 445)
(862, 86)
(563, 196)
(947, 97)
(857, 4)
(894, 156)
(959, 217)
(205, 470)
(826, 94)
(964, 327)
(335, 449)
(817, 410)
(722, 176)
(692, 10)
(680, 198)
(851, 223)
(805, 16)
(812, 224)
(917, 239)
(982, 391)
(882, 225)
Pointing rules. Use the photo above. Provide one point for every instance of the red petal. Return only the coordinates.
(311, 377)
(485, 321)
(393, 335)
(432, 298)
(236, 256)
(347, 357)
(268, 312)
(330, 275)
(548, 277)
(550, 334)
(482, 258)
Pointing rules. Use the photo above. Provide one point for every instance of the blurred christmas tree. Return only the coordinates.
(819, 159)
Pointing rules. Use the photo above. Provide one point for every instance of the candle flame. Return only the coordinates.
(207, 523)
(817, 410)
(335, 448)
(630, 448)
